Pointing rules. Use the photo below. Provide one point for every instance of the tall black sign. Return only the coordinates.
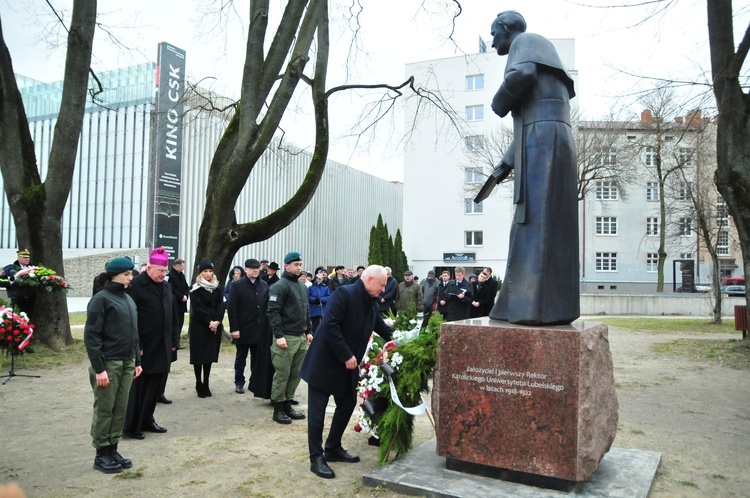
(166, 171)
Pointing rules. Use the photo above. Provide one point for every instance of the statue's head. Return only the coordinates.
(506, 26)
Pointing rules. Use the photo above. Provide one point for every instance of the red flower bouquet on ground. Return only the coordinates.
(16, 330)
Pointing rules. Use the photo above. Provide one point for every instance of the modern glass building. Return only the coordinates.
(112, 204)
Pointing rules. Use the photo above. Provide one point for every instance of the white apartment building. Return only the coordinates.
(621, 220)
(443, 167)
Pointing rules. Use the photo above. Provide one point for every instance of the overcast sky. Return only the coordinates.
(610, 42)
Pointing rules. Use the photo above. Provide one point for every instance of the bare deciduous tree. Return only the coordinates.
(270, 78)
(733, 128)
(37, 206)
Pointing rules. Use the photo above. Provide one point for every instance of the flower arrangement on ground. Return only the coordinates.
(406, 363)
(41, 279)
(16, 330)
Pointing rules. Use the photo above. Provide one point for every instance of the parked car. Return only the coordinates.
(734, 290)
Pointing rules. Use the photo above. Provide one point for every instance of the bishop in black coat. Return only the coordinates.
(158, 335)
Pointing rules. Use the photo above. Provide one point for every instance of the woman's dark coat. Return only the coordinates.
(205, 307)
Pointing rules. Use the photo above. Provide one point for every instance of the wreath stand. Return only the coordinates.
(12, 373)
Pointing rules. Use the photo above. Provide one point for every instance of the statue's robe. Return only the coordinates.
(541, 285)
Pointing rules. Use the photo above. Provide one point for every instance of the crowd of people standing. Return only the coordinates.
(293, 324)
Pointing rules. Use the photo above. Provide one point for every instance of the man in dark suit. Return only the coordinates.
(246, 310)
(338, 279)
(387, 298)
(492, 286)
(459, 296)
(271, 274)
(157, 336)
(180, 291)
(331, 365)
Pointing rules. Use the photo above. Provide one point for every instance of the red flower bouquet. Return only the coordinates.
(16, 331)
(41, 279)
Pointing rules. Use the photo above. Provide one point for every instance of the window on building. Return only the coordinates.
(475, 238)
(722, 214)
(474, 112)
(606, 225)
(650, 156)
(474, 143)
(608, 156)
(606, 261)
(722, 244)
(686, 156)
(652, 191)
(652, 262)
(652, 226)
(683, 191)
(606, 190)
(685, 227)
(470, 207)
(473, 175)
(474, 82)
(686, 255)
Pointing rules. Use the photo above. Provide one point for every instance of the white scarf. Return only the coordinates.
(209, 286)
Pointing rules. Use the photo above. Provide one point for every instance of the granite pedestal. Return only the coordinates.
(530, 404)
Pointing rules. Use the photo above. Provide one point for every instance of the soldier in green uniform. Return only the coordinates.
(111, 339)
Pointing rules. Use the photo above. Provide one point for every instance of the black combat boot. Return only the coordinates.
(279, 415)
(125, 463)
(291, 412)
(105, 463)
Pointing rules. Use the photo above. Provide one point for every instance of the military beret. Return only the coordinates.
(119, 265)
(292, 257)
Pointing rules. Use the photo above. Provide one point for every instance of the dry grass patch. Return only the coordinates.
(732, 353)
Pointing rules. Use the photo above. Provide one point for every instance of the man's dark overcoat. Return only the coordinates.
(157, 322)
(245, 309)
(351, 316)
(180, 289)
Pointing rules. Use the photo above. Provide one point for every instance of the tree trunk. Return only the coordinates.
(37, 207)
(249, 134)
(732, 140)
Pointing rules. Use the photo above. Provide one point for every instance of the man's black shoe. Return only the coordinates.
(135, 435)
(155, 428)
(320, 468)
(341, 455)
(165, 400)
(239, 390)
(294, 402)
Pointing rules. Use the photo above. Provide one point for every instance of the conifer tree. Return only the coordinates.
(374, 256)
